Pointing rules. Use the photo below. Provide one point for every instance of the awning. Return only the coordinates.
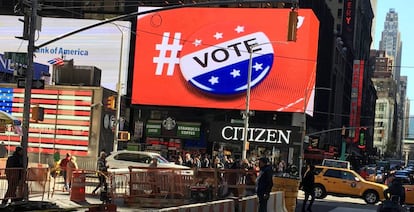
(6, 118)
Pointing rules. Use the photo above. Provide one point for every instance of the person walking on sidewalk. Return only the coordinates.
(63, 169)
(102, 171)
(14, 169)
(308, 182)
(264, 183)
(70, 167)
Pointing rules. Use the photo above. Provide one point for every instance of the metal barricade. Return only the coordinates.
(156, 187)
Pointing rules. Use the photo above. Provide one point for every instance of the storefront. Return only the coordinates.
(170, 137)
(275, 142)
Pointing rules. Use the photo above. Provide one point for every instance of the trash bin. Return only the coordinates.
(77, 191)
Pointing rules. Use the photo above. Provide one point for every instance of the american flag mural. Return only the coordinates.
(66, 124)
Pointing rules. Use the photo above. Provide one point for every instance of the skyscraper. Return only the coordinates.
(391, 43)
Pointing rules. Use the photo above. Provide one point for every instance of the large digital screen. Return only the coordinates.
(199, 57)
(105, 46)
(66, 123)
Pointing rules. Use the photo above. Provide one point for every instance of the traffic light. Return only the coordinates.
(292, 25)
(110, 102)
(362, 138)
(124, 136)
(38, 113)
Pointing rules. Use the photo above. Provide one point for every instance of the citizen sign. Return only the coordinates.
(232, 133)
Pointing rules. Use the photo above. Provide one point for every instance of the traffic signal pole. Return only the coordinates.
(27, 90)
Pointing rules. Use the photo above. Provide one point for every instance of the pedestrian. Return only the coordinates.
(197, 162)
(188, 160)
(154, 163)
(364, 173)
(152, 175)
(307, 184)
(14, 174)
(3, 150)
(205, 163)
(102, 172)
(281, 167)
(264, 183)
(70, 168)
(63, 166)
(249, 177)
(179, 160)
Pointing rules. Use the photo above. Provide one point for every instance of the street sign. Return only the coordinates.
(17, 57)
(36, 84)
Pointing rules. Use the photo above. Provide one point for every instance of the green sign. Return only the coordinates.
(188, 130)
(16, 57)
(153, 128)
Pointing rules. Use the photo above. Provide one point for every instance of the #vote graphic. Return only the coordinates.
(202, 57)
(217, 59)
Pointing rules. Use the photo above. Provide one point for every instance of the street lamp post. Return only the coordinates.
(301, 154)
(247, 110)
(119, 91)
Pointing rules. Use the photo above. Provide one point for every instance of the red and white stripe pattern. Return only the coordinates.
(66, 124)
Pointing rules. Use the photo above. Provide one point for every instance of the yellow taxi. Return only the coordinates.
(346, 182)
(409, 191)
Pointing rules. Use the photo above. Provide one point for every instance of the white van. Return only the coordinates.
(336, 163)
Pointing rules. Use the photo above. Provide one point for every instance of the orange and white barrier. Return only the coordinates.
(275, 203)
(216, 206)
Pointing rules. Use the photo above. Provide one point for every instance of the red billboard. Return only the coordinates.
(199, 57)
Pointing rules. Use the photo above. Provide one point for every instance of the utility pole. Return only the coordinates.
(28, 88)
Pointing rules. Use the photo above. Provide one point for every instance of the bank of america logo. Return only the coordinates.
(56, 61)
(216, 58)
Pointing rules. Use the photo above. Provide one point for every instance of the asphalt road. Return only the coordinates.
(337, 204)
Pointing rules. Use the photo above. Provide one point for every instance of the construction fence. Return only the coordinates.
(141, 187)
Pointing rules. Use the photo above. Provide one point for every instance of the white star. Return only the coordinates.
(258, 66)
(239, 29)
(213, 80)
(235, 73)
(218, 35)
(197, 42)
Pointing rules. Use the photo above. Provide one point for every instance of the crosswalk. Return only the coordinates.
(346, 209)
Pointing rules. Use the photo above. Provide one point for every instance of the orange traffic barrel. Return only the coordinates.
(77, 191)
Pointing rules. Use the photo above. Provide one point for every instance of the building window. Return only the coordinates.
(339, 15)
(338, 28)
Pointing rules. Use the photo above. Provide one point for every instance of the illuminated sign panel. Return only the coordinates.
(356, 98)
(106, 46)
(348, 22)
(66, 123)
(199, 57)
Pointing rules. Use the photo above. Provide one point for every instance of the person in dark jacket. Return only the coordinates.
(102, 172)
(264, 183)
(395, 189)
(307, 184)
(14, 169)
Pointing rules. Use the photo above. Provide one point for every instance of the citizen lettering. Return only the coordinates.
(262, 135)
(223, 54)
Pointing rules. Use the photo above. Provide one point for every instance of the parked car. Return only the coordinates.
(409, 189)
(346, 182)
(376, 176)
(125, 158)
(379, 177)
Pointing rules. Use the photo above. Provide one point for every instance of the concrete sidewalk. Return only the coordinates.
(62, 199)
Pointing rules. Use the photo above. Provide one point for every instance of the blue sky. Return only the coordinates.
(405, 25)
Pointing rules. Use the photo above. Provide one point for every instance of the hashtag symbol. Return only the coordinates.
(165, 47)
